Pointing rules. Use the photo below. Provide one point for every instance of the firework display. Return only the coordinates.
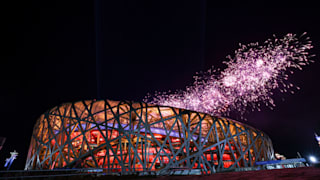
(183, 129)
(123, 136)
(251, 74)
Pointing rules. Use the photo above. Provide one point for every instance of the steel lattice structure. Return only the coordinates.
(128, 137)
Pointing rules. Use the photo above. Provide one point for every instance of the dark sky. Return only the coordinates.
(56, 52)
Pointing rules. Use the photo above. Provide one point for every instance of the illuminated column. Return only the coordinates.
(2, 140)
(317, 138)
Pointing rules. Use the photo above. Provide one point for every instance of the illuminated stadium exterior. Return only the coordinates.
(123, 136)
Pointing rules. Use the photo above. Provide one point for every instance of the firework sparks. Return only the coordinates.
(247, 81)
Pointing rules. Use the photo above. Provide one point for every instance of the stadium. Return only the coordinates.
(125, 136)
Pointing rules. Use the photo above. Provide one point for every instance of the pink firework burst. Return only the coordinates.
(251, 74)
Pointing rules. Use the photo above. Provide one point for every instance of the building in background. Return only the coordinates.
(123, 136)
(279, 156)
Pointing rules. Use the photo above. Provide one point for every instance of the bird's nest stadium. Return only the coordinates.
(124, 136)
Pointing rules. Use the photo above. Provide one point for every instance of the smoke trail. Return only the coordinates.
(251, 74)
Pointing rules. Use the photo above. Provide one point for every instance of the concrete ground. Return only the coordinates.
(305, 173)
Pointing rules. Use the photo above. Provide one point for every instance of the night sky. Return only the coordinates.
(57, 52)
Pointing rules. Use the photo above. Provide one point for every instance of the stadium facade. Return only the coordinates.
(124, 136)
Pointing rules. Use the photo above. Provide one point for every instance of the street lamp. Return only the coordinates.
(313, 159)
